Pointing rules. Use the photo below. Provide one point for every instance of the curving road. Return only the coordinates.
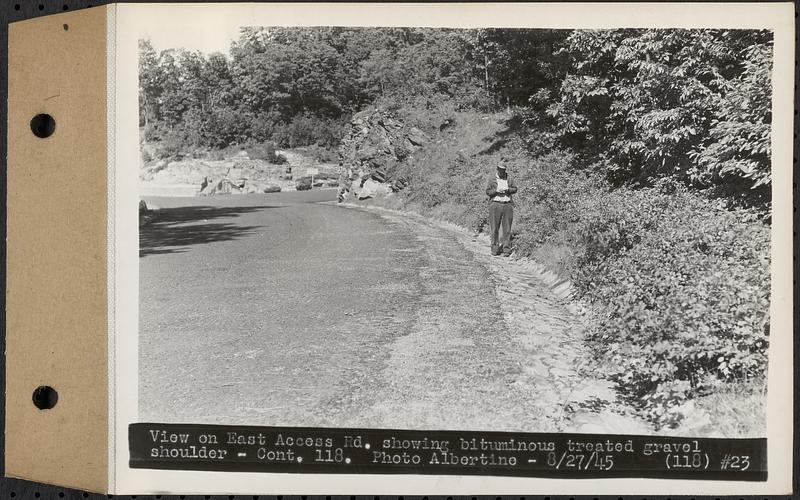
(281, 310)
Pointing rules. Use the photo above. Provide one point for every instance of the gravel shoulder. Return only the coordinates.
(529, 368)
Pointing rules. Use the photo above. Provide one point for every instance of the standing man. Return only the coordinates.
(501, 212)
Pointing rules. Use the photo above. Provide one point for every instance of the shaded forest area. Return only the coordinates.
(643, 158)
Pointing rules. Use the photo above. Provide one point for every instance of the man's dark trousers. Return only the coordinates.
(500, 215)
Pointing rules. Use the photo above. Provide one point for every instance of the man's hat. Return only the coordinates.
(501, 166)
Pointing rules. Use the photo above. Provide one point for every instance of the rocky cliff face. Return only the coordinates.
(375, 143)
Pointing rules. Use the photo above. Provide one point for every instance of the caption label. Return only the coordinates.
(310, 450)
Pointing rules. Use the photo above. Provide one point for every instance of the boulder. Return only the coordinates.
(371, 188)
(417, 137)
(366, 152)
(253, 187)
(223, 186)
(399, 184)
(378, 174)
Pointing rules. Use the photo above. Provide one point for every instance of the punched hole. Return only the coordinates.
(43, 125)
(17, 6)
(66, 27)
(45, 397)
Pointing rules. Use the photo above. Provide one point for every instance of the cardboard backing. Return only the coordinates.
(56, 297)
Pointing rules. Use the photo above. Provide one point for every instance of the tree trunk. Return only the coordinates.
(486, 70)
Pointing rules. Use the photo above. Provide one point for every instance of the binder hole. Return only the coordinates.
(41, 7)
(65, 7)
(43, 125)
(16, 6)
(45, 397)
(66, 27)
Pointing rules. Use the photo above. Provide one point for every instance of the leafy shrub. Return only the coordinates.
(174, 144)
(684, 290)
(306, 129)
(147, 157)
(303, 184)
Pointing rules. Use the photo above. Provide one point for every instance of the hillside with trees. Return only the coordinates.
(642, 155)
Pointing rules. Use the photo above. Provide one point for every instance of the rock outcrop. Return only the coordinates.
(225, 185)
(235, 175)
(375, 143)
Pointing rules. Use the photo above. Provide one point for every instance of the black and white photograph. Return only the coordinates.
(478, 229)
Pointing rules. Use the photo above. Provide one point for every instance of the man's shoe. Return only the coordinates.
(495, 250)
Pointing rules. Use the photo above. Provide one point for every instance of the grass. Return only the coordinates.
(739, 410)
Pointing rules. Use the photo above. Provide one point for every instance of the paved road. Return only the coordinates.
(278, 310)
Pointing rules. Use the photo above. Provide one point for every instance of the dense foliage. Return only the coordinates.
(693, 105)
(638, 105)
(687, 303)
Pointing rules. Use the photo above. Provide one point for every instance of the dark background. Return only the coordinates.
(16, 10)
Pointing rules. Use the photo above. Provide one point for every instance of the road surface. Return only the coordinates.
(285, 309)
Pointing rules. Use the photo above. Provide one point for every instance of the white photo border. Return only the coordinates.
(135, 21)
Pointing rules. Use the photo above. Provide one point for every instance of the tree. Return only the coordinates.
(739, 145)
(516, 63)
(688, 104)
(150, 83)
